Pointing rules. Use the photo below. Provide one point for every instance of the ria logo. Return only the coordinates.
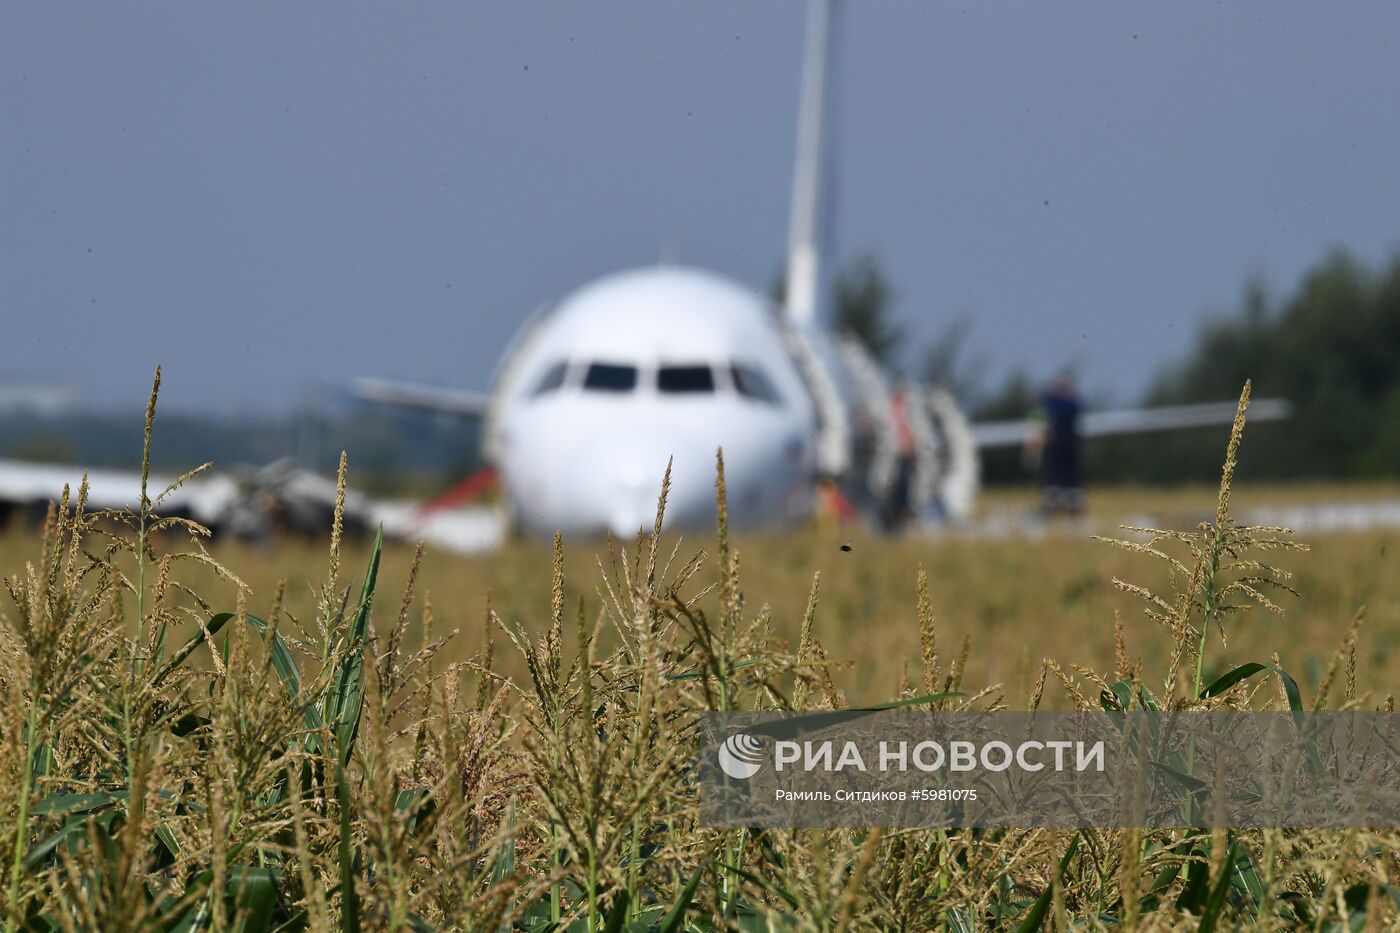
(741, 756)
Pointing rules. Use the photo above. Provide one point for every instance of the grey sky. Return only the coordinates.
(265, 199)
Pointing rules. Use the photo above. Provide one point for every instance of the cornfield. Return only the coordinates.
(174, 761)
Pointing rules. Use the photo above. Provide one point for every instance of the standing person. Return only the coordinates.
(898, 502)
(1061, 487)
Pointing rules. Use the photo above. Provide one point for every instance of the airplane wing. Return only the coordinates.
(22, 481)
(241, 500)
(422, 397)
(27, 484)
(990, 434)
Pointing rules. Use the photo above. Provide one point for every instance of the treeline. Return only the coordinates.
(391, 452)
(1332, 348)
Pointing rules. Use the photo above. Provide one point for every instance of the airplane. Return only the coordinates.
(639, 369)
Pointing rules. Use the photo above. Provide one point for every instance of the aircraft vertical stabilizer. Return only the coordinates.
(804, 261)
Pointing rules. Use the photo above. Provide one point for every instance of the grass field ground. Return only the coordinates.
(322, 772)
(1016, 599)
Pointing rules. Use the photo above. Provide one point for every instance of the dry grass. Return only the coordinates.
(1019, 600)
(333, 764)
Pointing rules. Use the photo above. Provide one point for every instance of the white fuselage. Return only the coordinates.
(638, 369)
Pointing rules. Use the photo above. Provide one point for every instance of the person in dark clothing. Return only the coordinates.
(1061, 487)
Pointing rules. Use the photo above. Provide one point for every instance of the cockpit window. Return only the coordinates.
(751, 382)
(685, 379)
(610, 377)
(552, 379)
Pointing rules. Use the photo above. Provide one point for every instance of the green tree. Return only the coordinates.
(947, 364)
(1332, 349)
(862, 300)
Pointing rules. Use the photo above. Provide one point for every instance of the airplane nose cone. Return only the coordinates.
(633, 503)
(689, 500)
